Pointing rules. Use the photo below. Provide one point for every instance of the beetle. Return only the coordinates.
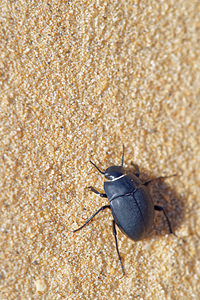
(130, 203)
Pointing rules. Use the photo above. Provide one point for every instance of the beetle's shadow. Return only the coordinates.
(164, 195)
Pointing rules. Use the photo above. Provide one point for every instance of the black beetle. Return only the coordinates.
(130, 203)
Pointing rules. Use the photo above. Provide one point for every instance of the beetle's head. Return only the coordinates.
(113, 172)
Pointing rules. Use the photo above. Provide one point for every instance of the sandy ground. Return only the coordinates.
(78, 80)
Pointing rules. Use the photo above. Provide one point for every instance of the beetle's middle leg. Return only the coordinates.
(102, 208)
(116, 244)
(96, 192)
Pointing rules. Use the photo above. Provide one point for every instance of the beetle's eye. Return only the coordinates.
(108, 176)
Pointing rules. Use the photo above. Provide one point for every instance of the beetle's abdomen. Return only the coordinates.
(134, 213)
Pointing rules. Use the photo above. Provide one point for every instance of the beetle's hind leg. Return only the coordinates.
(160, 208)
(116, 244)
(96, 192)
(102, 208)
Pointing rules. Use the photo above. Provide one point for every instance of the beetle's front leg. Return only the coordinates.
(157, 178)
(96, 192)
(136, 168)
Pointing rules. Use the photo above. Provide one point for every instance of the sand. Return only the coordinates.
(78, 80)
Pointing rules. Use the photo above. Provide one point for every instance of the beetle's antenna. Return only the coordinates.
(97, 168)
(123, 156)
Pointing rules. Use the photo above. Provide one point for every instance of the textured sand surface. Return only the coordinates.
(78, 79)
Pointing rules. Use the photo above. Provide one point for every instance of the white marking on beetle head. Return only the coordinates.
(118, 177)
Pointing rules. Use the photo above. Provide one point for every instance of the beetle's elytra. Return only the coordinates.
(130, 203)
